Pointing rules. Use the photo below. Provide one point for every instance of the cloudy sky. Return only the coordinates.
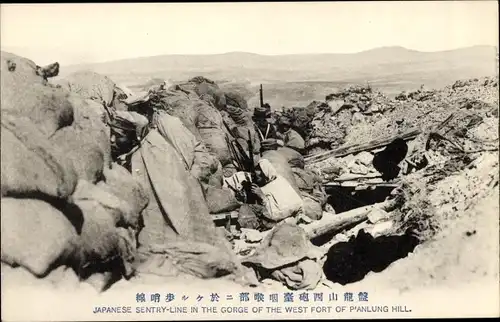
(77, 33)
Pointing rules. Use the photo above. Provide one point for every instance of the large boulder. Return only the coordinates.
(122, 184)
(31, 164)
(204, 86)
(236, 100)
(87, 141)
(17, 70)
(35, 235)
(90, 85)
(24, 93)
(177, 103)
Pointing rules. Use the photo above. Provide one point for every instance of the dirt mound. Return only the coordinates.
(90, 85)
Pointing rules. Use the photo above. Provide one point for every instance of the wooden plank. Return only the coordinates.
(356, 148)
(223, 216)
(444, 123)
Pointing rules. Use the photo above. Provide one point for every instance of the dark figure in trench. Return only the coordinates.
(386, 162)
(262, 120)
(291, 138)
(123, 137)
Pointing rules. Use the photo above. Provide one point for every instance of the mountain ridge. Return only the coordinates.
(384, 49)
(300, 78)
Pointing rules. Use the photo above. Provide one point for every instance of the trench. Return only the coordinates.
(350, 261)
(347, 198)
(343, 199)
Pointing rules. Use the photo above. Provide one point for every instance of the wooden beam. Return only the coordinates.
(356, 148)
(351, 184)
(338, 222)
(352, 232)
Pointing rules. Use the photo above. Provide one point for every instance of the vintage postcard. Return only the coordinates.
(247, 161)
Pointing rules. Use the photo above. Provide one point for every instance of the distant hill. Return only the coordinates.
(298, 79)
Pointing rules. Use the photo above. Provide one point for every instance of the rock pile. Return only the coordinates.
(359, 113)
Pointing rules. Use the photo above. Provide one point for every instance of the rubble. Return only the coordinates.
(369, 114)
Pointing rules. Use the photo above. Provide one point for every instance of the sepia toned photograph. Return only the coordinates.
(249, 160)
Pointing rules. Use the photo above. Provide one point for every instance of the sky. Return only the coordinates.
(85, 33)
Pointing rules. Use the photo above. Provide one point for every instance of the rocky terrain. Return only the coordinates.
(451, 204)
(360, 113)
(450, 201)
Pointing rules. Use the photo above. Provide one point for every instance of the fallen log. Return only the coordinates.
(367, 226)
(356, 148)
(337, 223)
(352, 232)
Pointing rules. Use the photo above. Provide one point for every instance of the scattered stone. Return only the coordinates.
(341, 237)
(251, 235)
(401, 97)
(335, 105)
(375, 108)
(381, 229)
(334, 169)
(11, 66)
(470, 233)
(364, 98)
(357, 118)
(377, 215)
(357, 168)
(364, 158)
